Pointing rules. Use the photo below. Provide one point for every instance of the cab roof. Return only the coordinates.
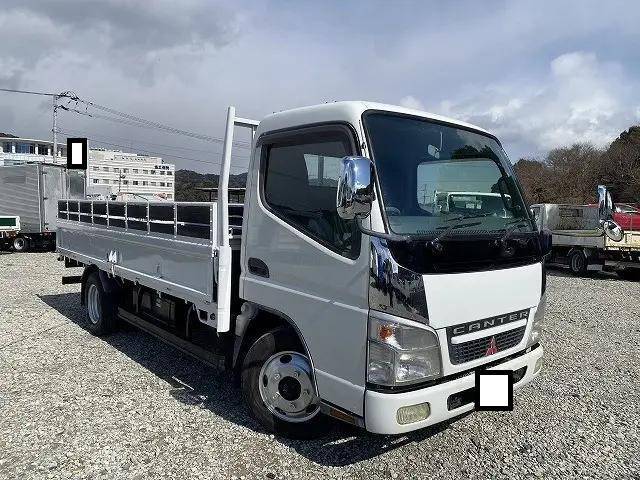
(344, 111)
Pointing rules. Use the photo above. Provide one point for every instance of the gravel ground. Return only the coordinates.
(126, 406)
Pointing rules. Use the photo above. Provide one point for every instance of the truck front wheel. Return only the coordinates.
(278, 385)
(101, 308)
(20, 244)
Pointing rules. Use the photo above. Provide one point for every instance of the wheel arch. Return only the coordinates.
(108, 284)
(88, 270)
(261, 319)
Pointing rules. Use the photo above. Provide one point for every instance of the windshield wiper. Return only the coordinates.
(502, 241)
(467, 217)
(412, 238)
(520, 222)
(435, 244)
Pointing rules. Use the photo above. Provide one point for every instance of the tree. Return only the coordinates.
(187, 182)
(572, 174)
(623, 166)
(533, 178)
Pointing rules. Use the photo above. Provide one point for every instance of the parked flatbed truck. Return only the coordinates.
(586, 237)
(331, 290)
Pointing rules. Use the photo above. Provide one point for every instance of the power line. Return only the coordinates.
(200, 150)
(160, 154)
(127, 119)
(91, 135)
(11, 90)
(137, 121)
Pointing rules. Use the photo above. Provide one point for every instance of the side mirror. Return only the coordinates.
(613, 230)
(355, 188)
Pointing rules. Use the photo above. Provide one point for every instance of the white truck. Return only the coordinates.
(587, 237)
(330, 290)
(31, 192)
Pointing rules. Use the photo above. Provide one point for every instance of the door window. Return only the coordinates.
(300, 185)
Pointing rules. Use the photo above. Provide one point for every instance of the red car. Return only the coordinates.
(627, 216)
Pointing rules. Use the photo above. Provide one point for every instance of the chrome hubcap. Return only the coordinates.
(287, 388)
(93, 304)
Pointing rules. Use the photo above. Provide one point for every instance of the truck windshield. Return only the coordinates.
(432, 174)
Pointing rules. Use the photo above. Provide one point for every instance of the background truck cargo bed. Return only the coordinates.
(31, 191)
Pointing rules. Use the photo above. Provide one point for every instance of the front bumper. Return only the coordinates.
(380, 409)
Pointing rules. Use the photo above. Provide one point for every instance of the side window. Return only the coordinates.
(300, 174)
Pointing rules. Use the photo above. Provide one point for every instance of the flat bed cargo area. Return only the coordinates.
(167, 246)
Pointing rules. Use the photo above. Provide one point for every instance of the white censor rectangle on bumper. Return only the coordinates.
(494, 390)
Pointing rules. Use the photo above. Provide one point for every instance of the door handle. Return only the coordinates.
(258, 267)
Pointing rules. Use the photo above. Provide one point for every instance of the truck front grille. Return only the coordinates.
(468, 351)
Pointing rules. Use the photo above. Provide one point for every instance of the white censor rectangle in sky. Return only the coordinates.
(76, 153)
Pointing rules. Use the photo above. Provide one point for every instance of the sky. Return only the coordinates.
(538, 74)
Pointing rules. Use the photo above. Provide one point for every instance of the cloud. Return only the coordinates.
(580, 99)
(537, 73)
(411, 102)
(134, 36)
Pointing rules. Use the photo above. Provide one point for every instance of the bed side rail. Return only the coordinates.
(195, 220)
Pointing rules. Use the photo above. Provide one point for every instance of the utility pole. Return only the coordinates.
(55, 127)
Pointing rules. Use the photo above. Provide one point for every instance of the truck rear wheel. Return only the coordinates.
(577, 262)
(278, 385)
(101, 308)
(20, 244)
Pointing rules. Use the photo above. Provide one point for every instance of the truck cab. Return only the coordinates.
(347, 283)
(342, 294)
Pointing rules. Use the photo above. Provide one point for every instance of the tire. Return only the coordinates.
(101, 307)
(268, 371)
(577, 263)
(20, 244)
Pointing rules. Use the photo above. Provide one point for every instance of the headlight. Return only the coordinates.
(401, 354)
(536, 327)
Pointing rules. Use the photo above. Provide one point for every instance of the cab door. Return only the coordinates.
(303, 261)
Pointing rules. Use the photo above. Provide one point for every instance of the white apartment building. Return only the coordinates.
(130, 174)
(16, 150)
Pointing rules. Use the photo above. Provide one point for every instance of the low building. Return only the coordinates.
(130, 174)
(109, 172)
(17, 150)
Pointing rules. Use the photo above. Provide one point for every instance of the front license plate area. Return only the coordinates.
(494, 390)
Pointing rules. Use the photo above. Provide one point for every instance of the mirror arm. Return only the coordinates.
(392, 237)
